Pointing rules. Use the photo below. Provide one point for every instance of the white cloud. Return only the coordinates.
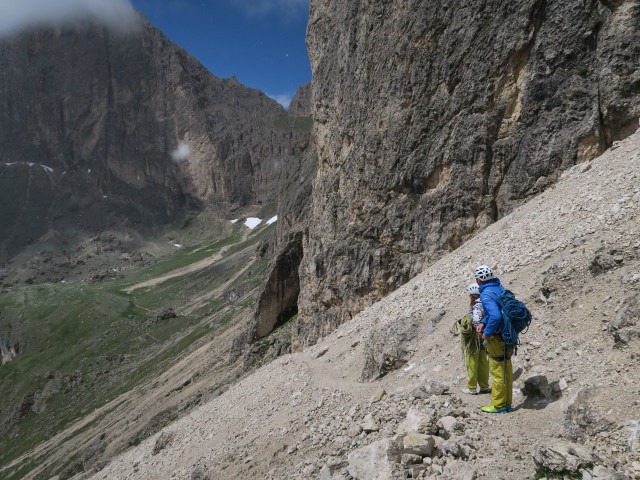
(286, 8)
(18, 15)
(181, 153)
(284, 99)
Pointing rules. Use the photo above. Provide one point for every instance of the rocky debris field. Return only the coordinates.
(572, 254)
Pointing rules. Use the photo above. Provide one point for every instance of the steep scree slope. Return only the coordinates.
(434, 119)
(306, 416)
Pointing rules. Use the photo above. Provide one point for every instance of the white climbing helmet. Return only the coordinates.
(483, 273)
(473, 289)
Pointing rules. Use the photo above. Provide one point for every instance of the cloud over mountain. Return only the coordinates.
(19, 15)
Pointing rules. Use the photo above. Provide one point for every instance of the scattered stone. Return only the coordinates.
(330, 468)
(418, 444)
(371, 462)
(447, 426)
(354, 430)
(602, 262)
(416, 420)
(162, 442)
(430, 388)
(379, 395)
(321, 352)
(630, 278)
(453, 448)
(562, 456)
(537, 387)
(624, 327)
(410, 459)
(199, 473)
(369, 424)
(602, 473)
(587, 413)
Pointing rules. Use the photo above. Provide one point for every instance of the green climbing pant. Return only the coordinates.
(501, 372)
(477, 369)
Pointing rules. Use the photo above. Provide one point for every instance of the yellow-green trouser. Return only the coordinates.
(501, 372)
(477, 369)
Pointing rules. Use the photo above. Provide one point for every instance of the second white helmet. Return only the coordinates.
(473, 289)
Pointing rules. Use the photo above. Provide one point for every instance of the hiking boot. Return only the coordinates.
(485, 389)
(470, 391)
(492, 409)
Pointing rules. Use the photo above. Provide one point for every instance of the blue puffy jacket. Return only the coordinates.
(492, 315)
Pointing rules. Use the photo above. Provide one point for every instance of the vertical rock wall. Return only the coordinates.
(433, 119)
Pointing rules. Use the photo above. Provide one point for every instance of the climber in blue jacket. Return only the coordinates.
(500, 367)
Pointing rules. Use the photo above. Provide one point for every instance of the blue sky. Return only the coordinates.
(261, 42)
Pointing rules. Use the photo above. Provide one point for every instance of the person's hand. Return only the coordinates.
(479, 328)
(484, 337)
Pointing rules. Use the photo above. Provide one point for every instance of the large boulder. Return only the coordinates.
(387, 347)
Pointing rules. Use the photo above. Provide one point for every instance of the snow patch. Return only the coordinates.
(235, 220)
(272, 220)
(30, 164)
(252, 222)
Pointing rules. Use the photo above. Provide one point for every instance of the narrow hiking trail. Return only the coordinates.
(189, 268)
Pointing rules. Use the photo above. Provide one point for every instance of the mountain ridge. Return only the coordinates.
(132, 133)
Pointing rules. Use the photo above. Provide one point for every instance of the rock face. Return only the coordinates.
(100, 129)
(434, 119)
(300, 105)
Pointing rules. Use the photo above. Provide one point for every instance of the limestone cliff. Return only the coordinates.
(434, 119)
(300, 105)
(99, 128)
